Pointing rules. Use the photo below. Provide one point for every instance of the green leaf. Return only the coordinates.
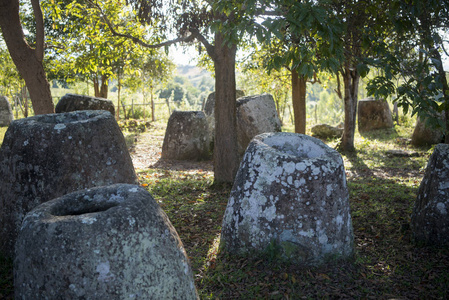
(363, 69)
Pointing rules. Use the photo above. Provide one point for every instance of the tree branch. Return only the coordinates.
(137, 40)
(338, 89)
(40, 35)
(209, 47)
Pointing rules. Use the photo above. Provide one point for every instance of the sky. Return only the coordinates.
(183, 55)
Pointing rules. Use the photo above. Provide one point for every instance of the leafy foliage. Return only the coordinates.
(411, 60)
(83, 45)
(10, 80)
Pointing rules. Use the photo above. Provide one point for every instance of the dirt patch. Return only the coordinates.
(146, 153)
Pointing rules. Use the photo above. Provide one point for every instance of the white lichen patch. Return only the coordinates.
(323, 239)
(444, 185)
(59, 126)
(309, 233)
(104, 275)
(316, 171)
(131, 221)
(339, 220)
(86, 219)
(441, 208)
(329, 190)
(289, 167)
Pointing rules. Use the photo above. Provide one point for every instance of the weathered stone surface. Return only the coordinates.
(425, 135)
(374, 114)
(290, 191)
(47, 156)
(430, 217)
(401, 153)
(6, 115)
(73, 102)
(209, 110)
(326, 131)
(255, 115)
(187, 137)
(209, 107)
(112, 242)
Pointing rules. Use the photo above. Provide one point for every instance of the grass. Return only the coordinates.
(387, 263)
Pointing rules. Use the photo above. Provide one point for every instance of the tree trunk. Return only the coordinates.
(119, 90)
(351, 89)
(101, 86)
(25, 102)
(396, 112)
(27, 60)
(226, 160)
(125, 113)
(152, 103)
(299, 101)
(167, 101)
(132, 108)
(96, 86)
(104, 87)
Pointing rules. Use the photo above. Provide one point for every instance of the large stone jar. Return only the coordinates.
(73, 102)
(209, 110)
(6, 115)
(374, 114)
(47, 156)
(425, 135)
(111, 242)
(289, 194)
(430, 218)
(187, 137)
(255, 115)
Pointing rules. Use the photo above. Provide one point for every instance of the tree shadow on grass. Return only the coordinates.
(194, 206)
(386, 134)
(381, 200)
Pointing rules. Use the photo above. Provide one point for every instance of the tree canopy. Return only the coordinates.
(99, 39)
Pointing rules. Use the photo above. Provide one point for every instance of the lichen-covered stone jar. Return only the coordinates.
(289, 194)
(187, 137)
(47, 156)
(112, 242)
(73, 102)
(430, 217)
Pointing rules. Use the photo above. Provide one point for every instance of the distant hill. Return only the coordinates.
(194, 74)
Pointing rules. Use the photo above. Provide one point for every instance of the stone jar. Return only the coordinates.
(255, 115)
(374, 114)
(290, 195)
(47, 156)
(112, 242)
(6, 115)
(209, 110)
(326, 131)
(187, 137)
(73, 102)
(425, 135)
(430, 217)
